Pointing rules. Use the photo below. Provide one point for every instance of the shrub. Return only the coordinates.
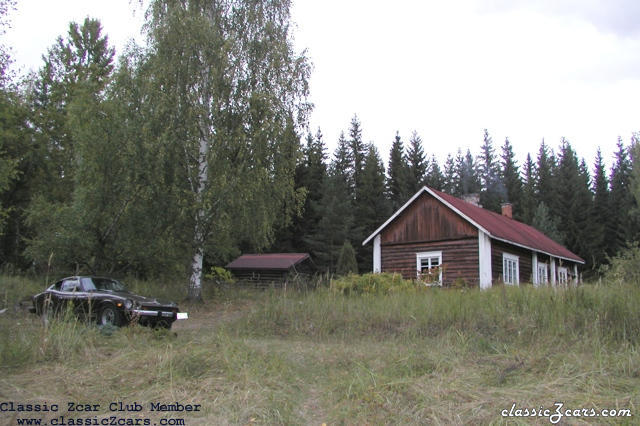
(624, 267)
(372, 284)
(220, 275)
(347, 263)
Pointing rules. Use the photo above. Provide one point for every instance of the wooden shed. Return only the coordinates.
(270, 269)
(441, 239)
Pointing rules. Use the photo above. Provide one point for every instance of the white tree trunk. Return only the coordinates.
(195, 283)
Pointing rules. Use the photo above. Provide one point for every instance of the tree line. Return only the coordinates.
(589, 209)
(187, 151)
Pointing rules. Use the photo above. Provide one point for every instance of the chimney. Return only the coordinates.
(473, 198)
(507, 210)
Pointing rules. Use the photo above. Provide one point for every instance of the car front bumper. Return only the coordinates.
(159, 314)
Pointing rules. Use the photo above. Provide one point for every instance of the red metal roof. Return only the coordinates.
(281, 261)
(496, 225)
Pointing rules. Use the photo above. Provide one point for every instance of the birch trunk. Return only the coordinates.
(195, 282)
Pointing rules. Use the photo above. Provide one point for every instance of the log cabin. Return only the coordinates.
(271, 269)
(443, 240)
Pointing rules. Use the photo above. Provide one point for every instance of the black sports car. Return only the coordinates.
(106, 301)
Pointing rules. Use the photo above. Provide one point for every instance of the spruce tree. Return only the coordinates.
(310, 175)
(358, 154)
(468, 181)
(336, 210)
(488, 169)
(601, 210)
(373, 207)
(342, 165)
(510, 177)
(416, 163)
(574, 202)
(544, 222)
(634, 183)
(435, 178)
(396, 187)
(450, 176)
(529, 199)
(545, 186)
(621, 226)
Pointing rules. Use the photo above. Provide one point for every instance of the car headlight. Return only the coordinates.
(128, 304)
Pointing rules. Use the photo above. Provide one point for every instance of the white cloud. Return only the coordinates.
(449, 70)
(523, 69)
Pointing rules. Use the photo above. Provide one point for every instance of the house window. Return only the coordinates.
(542, 273)
(562, 275)
(510, 269)
(429, 267)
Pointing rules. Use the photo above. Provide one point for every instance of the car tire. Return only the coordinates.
(110, 315)
(164, 324)
(160, 324)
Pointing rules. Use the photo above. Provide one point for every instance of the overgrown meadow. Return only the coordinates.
(364, 350)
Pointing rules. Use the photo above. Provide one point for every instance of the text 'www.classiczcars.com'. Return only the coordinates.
(74, 413)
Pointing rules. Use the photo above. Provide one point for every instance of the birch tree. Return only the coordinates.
(231, 93)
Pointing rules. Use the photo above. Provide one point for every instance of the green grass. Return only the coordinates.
(409, 357)
(524, 313)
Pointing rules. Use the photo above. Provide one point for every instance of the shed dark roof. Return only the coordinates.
(497, 226)
(280, 261)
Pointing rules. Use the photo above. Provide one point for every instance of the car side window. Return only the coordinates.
(70, 285)
(57, 286)
(87, 284)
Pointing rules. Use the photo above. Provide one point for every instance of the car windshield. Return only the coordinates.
(92, 284)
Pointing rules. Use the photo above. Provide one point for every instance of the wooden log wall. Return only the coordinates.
(260, 278)
(524, 261)
(459, 257)
(427, 219)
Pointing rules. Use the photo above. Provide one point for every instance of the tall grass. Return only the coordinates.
(428, 356)
(605, 312)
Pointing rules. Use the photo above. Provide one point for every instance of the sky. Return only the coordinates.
(526, 70)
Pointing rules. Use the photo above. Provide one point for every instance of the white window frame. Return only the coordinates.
(506, 277)
(563, 275)
(543, 279)
(429, 255)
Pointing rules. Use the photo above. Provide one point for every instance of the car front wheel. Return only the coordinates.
(109, 315)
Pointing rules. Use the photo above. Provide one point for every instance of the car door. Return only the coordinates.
(69, 294)
(84, 298)
(50, 300)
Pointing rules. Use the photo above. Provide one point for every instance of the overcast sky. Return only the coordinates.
(523, 69)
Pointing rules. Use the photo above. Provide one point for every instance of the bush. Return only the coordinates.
(220, 275)
(372, 284)
(624, 267)
(347, 263)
